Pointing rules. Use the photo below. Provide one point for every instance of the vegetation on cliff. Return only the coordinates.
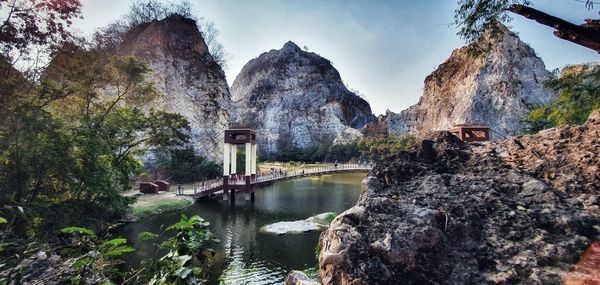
(578, 87)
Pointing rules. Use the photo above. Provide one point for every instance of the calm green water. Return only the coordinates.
(247, 256)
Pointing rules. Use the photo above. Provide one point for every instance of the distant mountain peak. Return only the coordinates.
(289, 45)
(495, 88)
(296, 99)
(193, 84)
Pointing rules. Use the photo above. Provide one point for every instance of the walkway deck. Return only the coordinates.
(210, 187)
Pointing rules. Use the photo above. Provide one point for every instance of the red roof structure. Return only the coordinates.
(148, 188)
(162, 185)
(471, 133)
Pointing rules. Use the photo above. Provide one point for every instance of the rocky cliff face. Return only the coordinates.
(183, 70)
(496, 88)
(296, 98)
(519, 211)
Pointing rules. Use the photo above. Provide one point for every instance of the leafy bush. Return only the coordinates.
(579, 94)
(188, 256)
(182, 255)
(95, 257)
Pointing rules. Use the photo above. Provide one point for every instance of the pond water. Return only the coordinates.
(246, 255)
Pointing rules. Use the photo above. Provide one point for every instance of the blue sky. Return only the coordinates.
(383, 49)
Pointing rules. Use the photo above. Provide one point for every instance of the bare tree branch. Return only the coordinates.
(587, 35)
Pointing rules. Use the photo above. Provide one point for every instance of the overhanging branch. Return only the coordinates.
(587, 35)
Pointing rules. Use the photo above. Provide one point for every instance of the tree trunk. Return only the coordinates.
(587, 35)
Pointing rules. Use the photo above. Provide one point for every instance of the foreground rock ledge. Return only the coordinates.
(519, 211)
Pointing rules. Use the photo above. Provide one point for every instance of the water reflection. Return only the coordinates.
(247, 256)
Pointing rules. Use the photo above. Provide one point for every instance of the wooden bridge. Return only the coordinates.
(248, 185)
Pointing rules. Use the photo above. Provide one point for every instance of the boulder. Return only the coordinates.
(522, 210)
(299, 278)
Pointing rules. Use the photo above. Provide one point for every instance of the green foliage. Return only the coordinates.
(70, 138)
(33, 22)
(374, 148)
(161, 207)
(312, 272)
(378, 148)
(95, 258)
(182, 255)
(329, 218)
(80, 230)
(186, 166)
(475, 17)
(324, 219)
(326, 151)
(69, 144)
(579, 94)
(188, 253)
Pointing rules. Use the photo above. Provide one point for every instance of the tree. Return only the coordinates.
(210, 33)
(475, 17)
(579, 94)
(145, 11)
(186, 166)
(70, 144)
(35, 22)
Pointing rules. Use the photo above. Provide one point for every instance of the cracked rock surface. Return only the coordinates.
(191, 82)
(517, 211)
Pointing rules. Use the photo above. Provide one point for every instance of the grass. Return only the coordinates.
(161, 206)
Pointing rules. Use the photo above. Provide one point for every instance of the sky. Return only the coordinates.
(383, 49)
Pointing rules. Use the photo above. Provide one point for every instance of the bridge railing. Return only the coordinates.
(274, 175)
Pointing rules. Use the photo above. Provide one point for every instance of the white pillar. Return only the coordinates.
(248, 159)
(233, 159)
(226, 150)
(253, 171)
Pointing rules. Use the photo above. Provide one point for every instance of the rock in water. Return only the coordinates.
(314, 223)
(299, 278)
(296, 98)
(183, 70)
(497, 88)
(519, 211)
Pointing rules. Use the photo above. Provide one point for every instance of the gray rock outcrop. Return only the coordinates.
(299, 278)
(183, 70)
(519, 211)
(296, 98)
(497, 88)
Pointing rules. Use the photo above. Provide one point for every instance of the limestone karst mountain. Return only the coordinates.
(183, 70)
(496, 88)
(296, 98)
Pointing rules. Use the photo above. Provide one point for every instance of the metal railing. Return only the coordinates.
(273, 175)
